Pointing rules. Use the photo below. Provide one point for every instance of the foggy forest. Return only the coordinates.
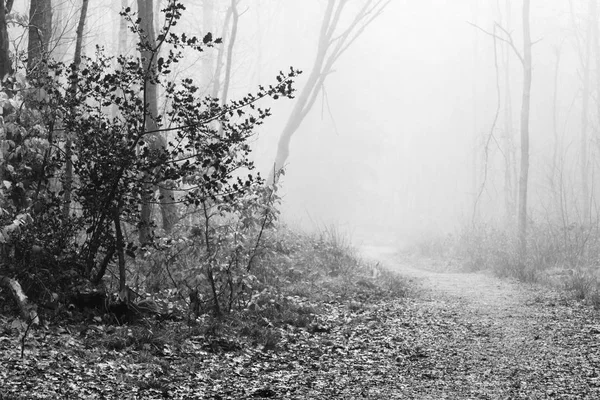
(299, 199)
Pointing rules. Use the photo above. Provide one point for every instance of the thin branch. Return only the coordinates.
(491, 134)
(509, 41)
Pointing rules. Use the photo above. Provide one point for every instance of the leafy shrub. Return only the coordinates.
(84, 156)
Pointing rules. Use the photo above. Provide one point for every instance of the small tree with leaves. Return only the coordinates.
(116, 164)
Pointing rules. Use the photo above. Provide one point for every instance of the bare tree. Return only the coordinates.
(334, 40)
(586, 60)
(526, 60)
(508, 138)
(40, 31)
(525, 57)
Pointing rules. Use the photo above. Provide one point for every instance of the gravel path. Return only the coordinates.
(487, 338)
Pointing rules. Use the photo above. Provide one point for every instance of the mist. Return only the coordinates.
(404, 141)
(415, 125)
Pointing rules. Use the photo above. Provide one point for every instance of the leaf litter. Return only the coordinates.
(434, 345)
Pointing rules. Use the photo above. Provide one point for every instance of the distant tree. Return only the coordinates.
(510, 192)
(40, 32)
(525, 58)
(584, 48)
(334, 40)
(526, 61)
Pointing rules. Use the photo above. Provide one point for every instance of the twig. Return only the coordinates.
(509, 41)
(30, 322)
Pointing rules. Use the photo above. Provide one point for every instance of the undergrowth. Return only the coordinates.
(296, 278)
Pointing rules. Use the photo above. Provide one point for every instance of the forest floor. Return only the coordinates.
(456, 336)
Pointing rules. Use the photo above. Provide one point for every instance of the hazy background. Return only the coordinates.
(395, 147)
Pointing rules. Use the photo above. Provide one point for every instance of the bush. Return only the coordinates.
(85, 156)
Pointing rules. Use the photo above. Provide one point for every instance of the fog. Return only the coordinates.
(397, 146)
(402, 141)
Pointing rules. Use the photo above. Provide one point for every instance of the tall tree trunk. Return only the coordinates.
(596, 46)
(508, 142)
(167, 200)
(220, 63)
(68, 180)
(120, 248)
(5, 63)
(234, 27)
(585, 106)
(40, 32)
(525, 107)
(474, 121)
(556, 139)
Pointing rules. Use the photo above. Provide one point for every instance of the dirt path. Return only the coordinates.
(488, 338)
(481, 291)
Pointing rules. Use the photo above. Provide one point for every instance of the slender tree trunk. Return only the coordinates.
(68, 180)
(167, 200)
(585, 101)
(40, 32)
(5, 63)
(525, 108)
(216, 82)
(234, 28)
(596, 46)
(556, 139)
(474, 121)
(120, 248)
(509, 154)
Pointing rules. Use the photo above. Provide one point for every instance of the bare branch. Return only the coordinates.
(509, 41)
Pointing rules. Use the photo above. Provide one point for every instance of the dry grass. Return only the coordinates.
(567, 258)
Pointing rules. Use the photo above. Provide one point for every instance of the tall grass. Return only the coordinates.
(567, 257)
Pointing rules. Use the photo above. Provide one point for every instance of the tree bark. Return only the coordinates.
(120, 248)
(556, 138)
(509, 151)
(525, 108)
(5, 63)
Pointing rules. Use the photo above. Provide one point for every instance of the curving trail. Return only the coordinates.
(490, 338)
